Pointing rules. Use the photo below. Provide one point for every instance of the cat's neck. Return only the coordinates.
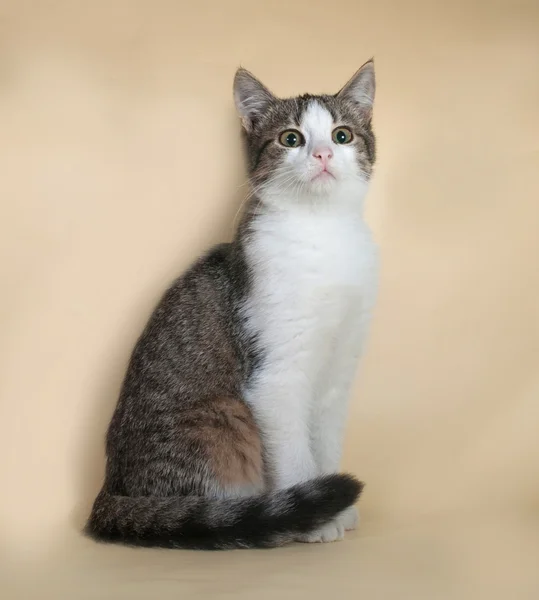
(262, 216)
(347, 203)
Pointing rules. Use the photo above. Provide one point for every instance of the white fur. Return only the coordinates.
(315, 270)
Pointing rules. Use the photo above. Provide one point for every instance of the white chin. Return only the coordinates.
(322, 185)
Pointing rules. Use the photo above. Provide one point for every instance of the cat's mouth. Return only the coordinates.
(323, 175)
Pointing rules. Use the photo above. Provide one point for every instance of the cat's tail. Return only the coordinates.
(203, 523)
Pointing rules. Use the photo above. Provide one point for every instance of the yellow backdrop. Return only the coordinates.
(120, 161)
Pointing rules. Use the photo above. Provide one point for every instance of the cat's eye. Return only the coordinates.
(291, 138)
(342, 135)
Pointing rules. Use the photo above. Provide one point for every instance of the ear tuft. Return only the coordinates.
(361, 87)
(251, 97)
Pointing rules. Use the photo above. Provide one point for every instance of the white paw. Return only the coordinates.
(349, 518)
(330, 532)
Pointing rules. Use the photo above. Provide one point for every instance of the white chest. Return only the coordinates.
(302, 254)
(312, 274)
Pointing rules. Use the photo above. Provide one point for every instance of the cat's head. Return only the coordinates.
(308, 146)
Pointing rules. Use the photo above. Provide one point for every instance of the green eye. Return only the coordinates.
(291, 138)
(342, 135)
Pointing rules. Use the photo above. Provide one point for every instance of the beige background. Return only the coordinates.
(121, 161)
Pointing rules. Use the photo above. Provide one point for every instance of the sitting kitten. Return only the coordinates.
(228, 430)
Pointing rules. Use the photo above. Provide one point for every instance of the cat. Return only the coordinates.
(229, 425)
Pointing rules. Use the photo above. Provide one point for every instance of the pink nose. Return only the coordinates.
(323, 155)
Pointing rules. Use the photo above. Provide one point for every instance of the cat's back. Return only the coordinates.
(196, 303)
(190, 349)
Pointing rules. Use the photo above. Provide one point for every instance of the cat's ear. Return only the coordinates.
(251, 97)
(361, 87)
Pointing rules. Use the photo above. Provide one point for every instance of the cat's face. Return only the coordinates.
(309, 146)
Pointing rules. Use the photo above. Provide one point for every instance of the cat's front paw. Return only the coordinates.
(330, 532)
(349, 518)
